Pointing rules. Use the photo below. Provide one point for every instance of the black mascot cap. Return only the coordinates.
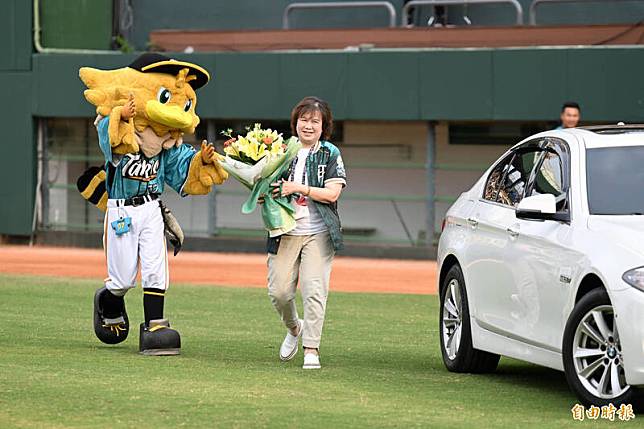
(157, 63)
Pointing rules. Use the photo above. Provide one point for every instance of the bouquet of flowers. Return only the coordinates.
(256, 160)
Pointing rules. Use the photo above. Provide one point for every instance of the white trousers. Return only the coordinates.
(143, 244)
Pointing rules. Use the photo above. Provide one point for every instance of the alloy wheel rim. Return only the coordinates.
(452, 319)
(597, 354)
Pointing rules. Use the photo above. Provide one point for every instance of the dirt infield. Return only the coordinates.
(227, 269)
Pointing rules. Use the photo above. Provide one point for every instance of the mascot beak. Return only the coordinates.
(172, 116)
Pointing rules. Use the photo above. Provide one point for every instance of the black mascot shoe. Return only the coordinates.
(109, 330)
(159, 339)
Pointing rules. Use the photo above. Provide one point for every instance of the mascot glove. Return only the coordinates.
(202, 176)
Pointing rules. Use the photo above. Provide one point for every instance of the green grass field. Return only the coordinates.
(380, 356)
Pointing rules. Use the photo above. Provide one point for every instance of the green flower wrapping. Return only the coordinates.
(277, 212)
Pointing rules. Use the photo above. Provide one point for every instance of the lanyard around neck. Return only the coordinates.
(295, 161)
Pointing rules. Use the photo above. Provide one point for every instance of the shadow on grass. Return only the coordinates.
(531, 376)
(420, 366)
(122, 348)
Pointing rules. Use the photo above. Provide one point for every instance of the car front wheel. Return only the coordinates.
(455, 330)
(592, 353)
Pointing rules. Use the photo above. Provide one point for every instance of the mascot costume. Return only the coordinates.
(142, 112)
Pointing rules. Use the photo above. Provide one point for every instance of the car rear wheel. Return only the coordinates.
(455, 331)
(592, 353)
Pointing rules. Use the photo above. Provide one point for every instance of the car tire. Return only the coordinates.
(591, 354)
(455, 330)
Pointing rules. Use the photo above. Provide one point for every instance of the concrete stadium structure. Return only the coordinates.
(416, 124)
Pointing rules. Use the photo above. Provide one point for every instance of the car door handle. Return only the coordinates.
(473, 222)
(513, 233)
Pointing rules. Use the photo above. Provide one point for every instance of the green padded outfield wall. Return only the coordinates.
(17, 148)
(15, 32)
(481, 84)
(76, 24)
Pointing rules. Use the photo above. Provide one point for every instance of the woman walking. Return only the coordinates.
(315, 180)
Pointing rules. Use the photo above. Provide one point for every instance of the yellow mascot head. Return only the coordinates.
(163, 91)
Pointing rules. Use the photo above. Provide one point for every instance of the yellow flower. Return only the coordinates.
(256, 144)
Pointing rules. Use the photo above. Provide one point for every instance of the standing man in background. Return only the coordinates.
(570, 115)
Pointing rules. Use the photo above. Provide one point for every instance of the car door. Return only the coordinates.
(490, 278)
(539, 257)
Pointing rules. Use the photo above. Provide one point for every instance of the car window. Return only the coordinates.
(548, 178)
(507, 182)
(614, 177)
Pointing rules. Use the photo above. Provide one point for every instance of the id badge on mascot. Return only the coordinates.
(122, 225)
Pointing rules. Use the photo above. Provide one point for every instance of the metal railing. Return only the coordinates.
(408, 6)
(337, 5)
(532, 17)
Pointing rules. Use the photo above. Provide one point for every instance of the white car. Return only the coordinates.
(543, 261)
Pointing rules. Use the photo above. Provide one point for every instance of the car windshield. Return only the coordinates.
(615, 177)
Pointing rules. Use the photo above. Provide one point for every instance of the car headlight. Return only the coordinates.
(635, 277)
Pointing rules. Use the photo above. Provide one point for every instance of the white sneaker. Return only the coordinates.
(289, 346)
(311, 361)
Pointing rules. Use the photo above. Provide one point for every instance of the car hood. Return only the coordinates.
(625, 232)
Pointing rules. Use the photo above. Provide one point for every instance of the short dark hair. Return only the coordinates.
(570, 104)
(310, 105)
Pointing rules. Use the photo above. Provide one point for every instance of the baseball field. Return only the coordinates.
(380, 354)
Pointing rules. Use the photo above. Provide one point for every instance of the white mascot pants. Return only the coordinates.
(144, 243)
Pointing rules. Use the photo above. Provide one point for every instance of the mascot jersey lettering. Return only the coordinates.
(135, 174)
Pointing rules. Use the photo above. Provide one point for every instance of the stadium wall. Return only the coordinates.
(152, 15)
(376, 93)
(439, 84)
(17, 147)
(407, 85)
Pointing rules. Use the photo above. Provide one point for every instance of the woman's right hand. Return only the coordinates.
(276, 188)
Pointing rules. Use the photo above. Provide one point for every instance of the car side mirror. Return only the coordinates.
(544, 203)
(540, 207)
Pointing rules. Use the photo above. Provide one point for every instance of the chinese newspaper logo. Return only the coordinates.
(607, 412)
